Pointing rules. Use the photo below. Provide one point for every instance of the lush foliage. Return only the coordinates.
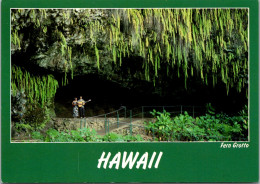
(113, 137)
(219, 127)
(82, 135)
(32, 99)
(38, 90)
(18, 108)
(210, 43)
(159, 44)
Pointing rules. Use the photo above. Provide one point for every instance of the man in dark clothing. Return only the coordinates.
(81, 104)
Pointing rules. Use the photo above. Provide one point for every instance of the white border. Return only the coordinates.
(170, 142)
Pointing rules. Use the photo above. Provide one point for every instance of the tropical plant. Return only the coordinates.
(163, 126)
(38, 90)
(23, 127)
(219, 127)
(32, 97)
(18, 108)
(82, 135)
(37, 135)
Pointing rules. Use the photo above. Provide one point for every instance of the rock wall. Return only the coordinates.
(63, 124)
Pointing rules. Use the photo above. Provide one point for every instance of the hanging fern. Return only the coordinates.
(97, 55)
(38, 90)
(186, 40)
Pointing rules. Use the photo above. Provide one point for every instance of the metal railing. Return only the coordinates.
(133, 121)
(115, 117)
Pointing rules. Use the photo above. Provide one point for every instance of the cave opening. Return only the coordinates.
(107, 95)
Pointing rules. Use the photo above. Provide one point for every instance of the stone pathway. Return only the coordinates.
(98, 123)
(137, 123)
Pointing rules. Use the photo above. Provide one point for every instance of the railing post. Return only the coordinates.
(142, 112)
(117, 119)
(80, 123)
(131, 122)
(105, 124)
(153, 133)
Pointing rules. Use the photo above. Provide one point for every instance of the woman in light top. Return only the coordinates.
(75, 108)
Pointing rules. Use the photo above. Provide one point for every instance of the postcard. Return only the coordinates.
(111, 91)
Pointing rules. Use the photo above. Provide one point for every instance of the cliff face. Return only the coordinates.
(165, 55)
(174, 43)
(52, 43)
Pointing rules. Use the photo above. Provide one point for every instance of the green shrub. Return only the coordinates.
(37, 135)
(52, 135)
(113, 137)
(211, 127)
(89, 135)
(23, 127)
(83, 135)
(163, 126)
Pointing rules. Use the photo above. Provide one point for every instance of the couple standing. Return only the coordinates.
(78, 107)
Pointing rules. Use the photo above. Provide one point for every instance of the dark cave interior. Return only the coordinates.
(107, 96)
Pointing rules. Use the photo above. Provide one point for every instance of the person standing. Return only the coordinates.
(81, 104)
(75, 108)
